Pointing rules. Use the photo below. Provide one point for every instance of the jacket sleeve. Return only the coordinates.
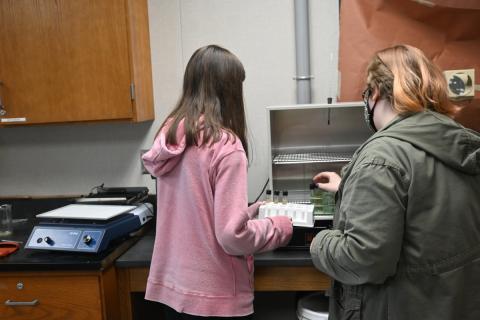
(368, 250)
(236, 229)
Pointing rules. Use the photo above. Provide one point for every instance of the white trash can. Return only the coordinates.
(313, 307)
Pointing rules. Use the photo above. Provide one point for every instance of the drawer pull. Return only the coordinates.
(3, 111)
(21, 303)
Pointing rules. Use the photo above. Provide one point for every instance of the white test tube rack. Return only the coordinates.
(301, 214)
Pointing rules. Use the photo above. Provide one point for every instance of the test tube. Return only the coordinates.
(268, 197)
(285, 196)
(276, 196)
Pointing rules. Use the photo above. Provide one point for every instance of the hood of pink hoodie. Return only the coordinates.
(163, 157)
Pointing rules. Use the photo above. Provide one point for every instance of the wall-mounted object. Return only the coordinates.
(446, 32)
(74, 61)
(461, 83)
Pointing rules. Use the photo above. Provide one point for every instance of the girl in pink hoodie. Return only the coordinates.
(202, 263)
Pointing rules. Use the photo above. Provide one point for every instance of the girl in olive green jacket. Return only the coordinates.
(406, 237)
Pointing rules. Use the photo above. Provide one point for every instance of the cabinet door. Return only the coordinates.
(63, 60)
(50, 297)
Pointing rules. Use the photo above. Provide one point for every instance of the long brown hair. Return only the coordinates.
(212, 89)
(409, 80)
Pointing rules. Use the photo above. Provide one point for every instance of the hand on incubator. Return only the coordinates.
(328, 181)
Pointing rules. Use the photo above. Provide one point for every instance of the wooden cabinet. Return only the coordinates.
(59, 295)
(71, 61)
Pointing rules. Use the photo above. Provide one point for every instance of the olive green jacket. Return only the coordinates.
(406, 237)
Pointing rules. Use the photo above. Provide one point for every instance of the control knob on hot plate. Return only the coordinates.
(48, 240)
(87, 239)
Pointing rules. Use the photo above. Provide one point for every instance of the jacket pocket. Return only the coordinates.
(352, 309)
(348, 304)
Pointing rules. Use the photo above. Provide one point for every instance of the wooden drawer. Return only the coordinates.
(59, 296)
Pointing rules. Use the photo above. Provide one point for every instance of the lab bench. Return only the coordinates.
(279, 270)
(57, 285)
(38, 284)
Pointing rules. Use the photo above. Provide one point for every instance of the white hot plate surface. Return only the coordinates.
(86, 211)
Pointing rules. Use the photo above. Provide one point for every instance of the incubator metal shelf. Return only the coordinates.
(315, 157)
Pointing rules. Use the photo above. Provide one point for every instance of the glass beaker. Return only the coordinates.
(5, 220)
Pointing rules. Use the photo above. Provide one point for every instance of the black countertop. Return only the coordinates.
(132, 252)
(140, 254)
(41, 260)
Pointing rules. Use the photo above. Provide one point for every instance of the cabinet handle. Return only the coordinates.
(2, 107)
(21, 303)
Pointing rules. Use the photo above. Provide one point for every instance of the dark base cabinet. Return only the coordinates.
(267, 306)
(277, 290)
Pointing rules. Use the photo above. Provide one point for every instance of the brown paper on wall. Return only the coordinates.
(448, 32)
(461, 4)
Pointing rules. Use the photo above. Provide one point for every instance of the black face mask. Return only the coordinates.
(368, 112)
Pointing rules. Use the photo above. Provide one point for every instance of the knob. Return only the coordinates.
(48, 240)
(87, 239)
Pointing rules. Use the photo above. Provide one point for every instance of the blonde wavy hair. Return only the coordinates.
(409, 80)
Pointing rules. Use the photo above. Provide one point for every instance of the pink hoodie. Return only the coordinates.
(206, 234)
